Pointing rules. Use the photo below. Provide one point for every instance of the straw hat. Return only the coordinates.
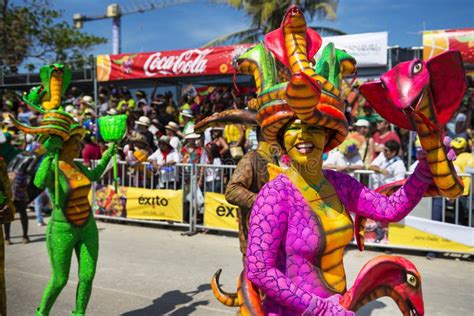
(111, 112)
(187, 113)
(362, 123)
(87, 100)
(173, 126)
(143, 120)
(192, 136)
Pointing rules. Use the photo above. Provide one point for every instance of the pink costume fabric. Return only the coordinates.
(286, 239)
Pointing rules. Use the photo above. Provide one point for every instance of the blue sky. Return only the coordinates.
(192, 25)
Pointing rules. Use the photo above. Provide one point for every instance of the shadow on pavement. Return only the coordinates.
(167, 303)
(367, 309)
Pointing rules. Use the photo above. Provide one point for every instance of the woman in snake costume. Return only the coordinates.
(300, 222)
(72, 226)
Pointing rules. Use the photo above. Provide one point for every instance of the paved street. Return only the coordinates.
(156, 271)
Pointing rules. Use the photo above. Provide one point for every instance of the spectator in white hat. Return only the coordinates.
(142, 126)
(87, 102)
(172, 131)
(365, 142)
(188, 120)
(164, 160)
(191, 152)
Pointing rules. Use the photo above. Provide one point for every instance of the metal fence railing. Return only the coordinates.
(197, 180)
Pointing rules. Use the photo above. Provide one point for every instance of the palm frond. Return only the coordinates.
(327, 31)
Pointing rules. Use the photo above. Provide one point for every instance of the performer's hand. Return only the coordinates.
(113, 146)
(423, 168)
(53, 143)
(327, 307)
(5, 214)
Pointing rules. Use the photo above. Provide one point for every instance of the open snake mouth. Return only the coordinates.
(412, 308)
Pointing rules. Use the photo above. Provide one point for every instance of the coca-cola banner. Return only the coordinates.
(176, 63)
(436, 42)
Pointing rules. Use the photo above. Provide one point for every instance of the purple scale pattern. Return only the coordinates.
(286, 240)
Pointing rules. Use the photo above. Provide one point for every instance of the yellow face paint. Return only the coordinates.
(304, 143)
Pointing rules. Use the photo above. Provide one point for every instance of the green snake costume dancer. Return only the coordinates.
(72, 226)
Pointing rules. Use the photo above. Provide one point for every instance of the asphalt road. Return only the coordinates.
(156, 271)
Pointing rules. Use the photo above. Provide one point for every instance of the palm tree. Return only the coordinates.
(267, 15)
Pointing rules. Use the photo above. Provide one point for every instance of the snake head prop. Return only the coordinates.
(423, 97)
(46, 99)
(399, 92)
(293, 23)
(391, 276)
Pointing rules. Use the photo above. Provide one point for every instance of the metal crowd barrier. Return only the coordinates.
(442, 209)
(214, 178)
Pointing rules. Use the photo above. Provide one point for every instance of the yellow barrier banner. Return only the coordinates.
(140, 203)
(218, 213)
(155, 204)
(403, 235)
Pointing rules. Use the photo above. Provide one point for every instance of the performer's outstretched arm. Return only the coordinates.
(363, 201)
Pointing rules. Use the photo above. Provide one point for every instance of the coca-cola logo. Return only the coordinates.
(192, 61)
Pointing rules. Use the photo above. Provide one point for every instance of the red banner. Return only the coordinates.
(176, 63)
(436, 42)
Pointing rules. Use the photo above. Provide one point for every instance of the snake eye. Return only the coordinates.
(417, 67)
(411, 279)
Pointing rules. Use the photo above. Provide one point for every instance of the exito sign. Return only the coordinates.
(218, 213)
(155, 204)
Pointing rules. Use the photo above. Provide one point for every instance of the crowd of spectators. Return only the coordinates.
(161, 132)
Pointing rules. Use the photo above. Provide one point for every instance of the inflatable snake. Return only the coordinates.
(392, 276)
(423, 97)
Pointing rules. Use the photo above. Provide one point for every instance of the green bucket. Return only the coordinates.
(113, 127)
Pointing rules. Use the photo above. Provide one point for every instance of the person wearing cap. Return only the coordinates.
(142, 126)
(188, 121)
(163, 161)
(172, 131)
(345, 159)
(361, 134)
(127, 103)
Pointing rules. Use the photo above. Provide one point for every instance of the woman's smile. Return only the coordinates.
(304, 147)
